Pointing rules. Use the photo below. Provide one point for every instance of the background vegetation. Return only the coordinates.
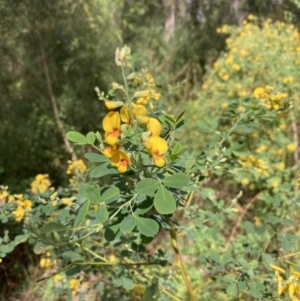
(208, 56)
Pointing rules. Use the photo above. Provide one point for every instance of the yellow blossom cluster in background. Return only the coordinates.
(46, 262)
(40, 184)
(74, 167)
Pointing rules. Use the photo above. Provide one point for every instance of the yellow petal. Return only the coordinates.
(294, 273)
(291, 290)
(159, 145)
(121, 160)
(111, 138)
(277, 268)
(154, 127)
(159, 160)
(125, 115)
(111, 122)
(113, 104)
(110, 150)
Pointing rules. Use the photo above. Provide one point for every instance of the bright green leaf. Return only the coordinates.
(76, 137)
(82, 213)
(176, 181)
(164, 201)
(90, 138)
(110, 194)
(147, 186)
(102, 170)
(146, 226)
(102, 214)
(93, 194)
(72, 256)
(128, 224)
(96, 157)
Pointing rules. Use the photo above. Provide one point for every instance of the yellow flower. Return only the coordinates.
(57, 278)
(288, 80)
(154, 127)
(18, 213)
(291, 147)
(259, 93)
(121, 160)
(110, 150)
(112, 127)
(26, 204)
(40, 184)
(157, 147)
(245, 181)
(67, 201)
(74, 286)
(75, 167)
(139, 114)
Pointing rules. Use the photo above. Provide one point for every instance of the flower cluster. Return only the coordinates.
(75, 167)
(271, 100)
(288, 284)
(133, 116)
(40, 184)
(251, 161)
(46, 262)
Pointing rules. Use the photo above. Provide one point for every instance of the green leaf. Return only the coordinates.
(127, 283)
(164, 201)
(215, 256)
(102, 214)
(92, 193)
(53, 226)
(96, 157)
(90, 138)
(76, 137)
(146, 226)
(231, 290)
(110, 194)
(82, 212)
(39, 248)
(72, 256)
(176, 181)
(267, 260)
(102, 170)
(255, 289)
(147, 186)
(128, 224)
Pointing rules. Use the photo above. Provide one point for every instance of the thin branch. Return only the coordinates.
(239, 220)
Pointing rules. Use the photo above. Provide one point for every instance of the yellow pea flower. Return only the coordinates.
(112, 127)
(154, 127)
(110, 150)
(157, 147)
(139, 113)
(121, 160)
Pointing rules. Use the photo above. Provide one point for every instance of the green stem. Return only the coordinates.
(180, 262)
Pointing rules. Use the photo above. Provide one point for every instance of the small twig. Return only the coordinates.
(238, 222)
